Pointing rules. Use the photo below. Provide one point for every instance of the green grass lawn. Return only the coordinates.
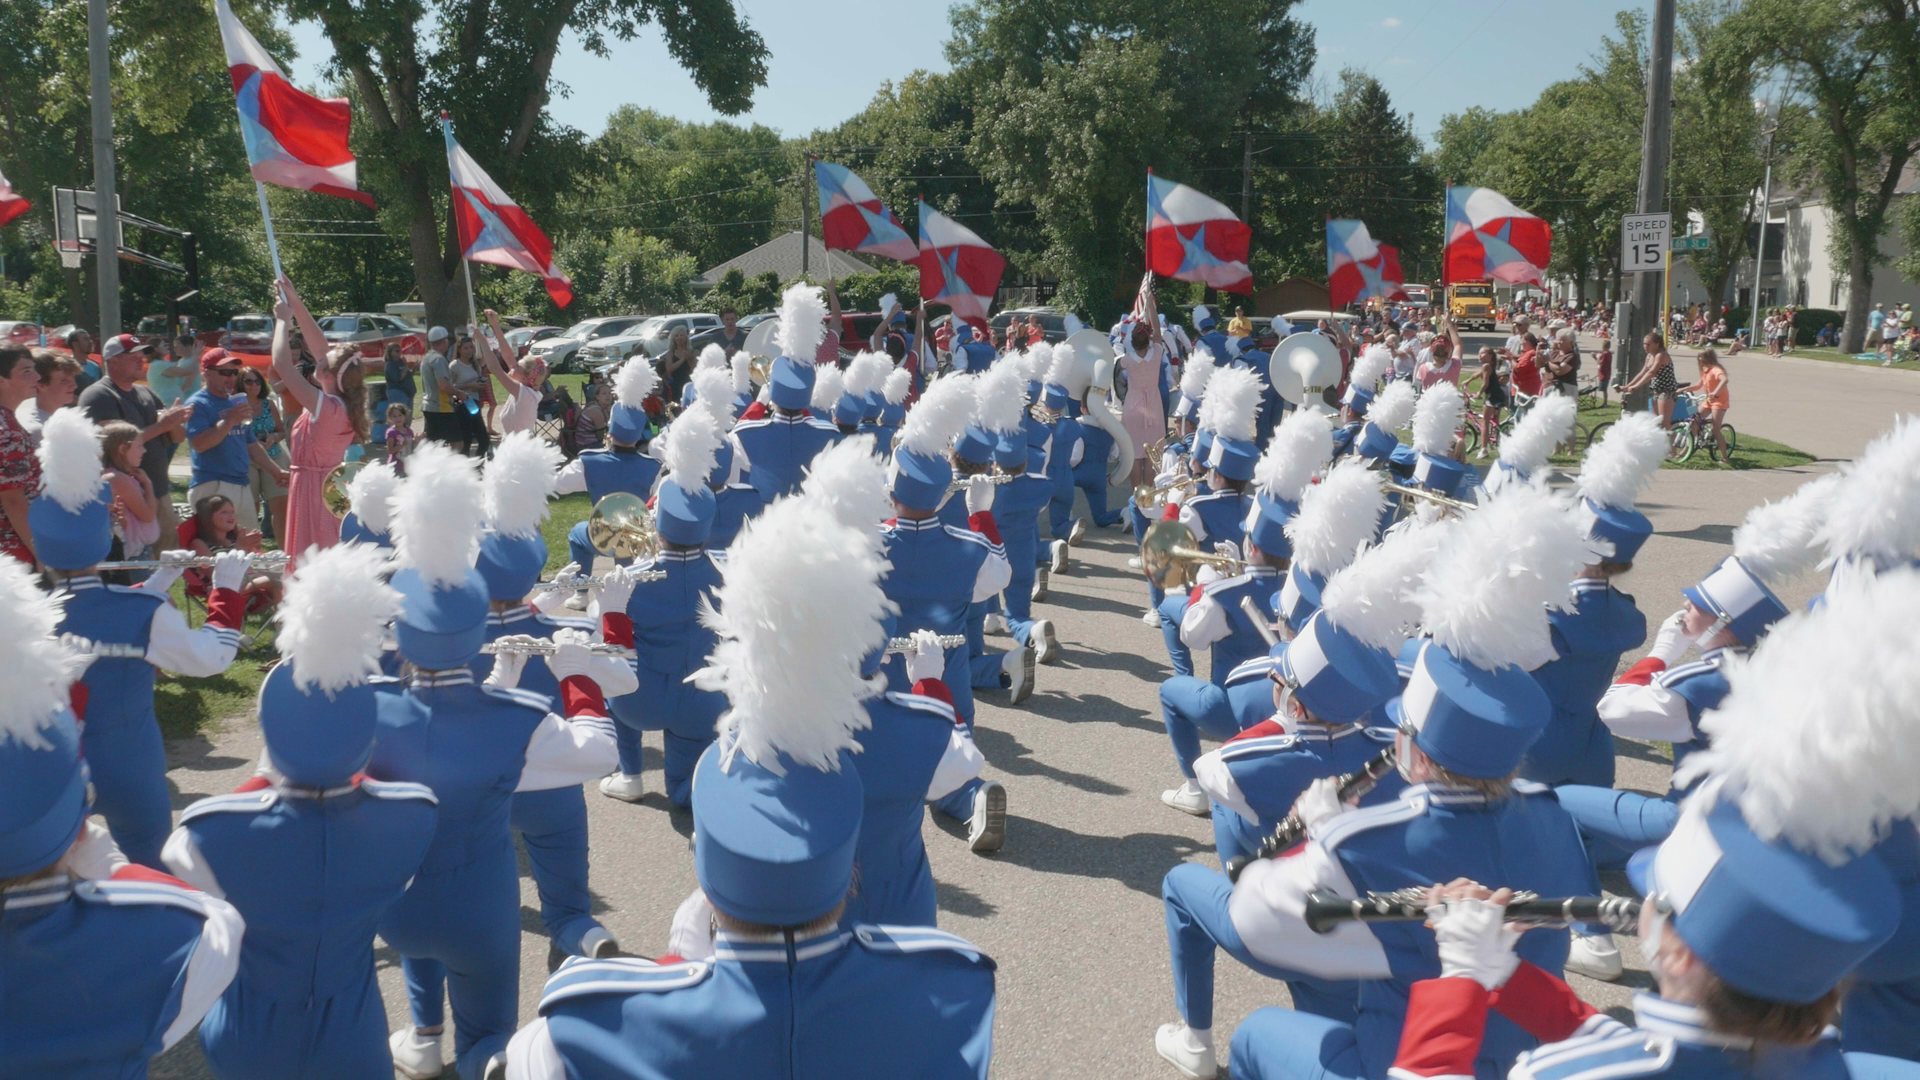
(1835, 356)
(1750, 451)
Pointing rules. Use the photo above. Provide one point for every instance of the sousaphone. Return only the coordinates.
(1302, 368)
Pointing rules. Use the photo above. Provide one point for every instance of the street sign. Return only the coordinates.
(1643, 242)
(1691, 243)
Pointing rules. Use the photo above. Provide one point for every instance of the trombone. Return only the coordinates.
(273, 562)
(1146, 495)
(622, 527)
(1172, 558)
(1446, 501)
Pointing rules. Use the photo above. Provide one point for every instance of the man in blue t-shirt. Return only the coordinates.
(220, 437)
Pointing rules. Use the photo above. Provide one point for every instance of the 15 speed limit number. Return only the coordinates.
(1643, 242)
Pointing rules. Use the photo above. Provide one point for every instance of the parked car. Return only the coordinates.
(250, 333)
(561, 351)
(745, 325)
(520, 339)
(20, 333)
(608, 351)
(1053, 321)
(372, 331)
(658, 331)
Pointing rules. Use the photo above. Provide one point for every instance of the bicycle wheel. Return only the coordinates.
(1680, 443)
(1469, 439)
(1594, 433)
(1733, 440)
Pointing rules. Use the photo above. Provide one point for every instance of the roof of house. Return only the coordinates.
(781, 255)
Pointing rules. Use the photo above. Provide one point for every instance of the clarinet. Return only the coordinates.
(1290, 832)
(1327, 910)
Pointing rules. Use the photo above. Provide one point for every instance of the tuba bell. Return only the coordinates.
(621, 527)
(333, 490)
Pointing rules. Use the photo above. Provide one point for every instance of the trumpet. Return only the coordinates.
(996, 478)
(1435, 497)
(1146, 495)
(273, 562)
(622, 527)
(333, 490)
(533, 646)
(1171, 558)
(596, 580)
(903, 645)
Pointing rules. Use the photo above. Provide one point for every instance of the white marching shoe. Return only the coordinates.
(1188, 798)
(1059, 564)
(1017, 665)
(1041, 639)
(416, 1056)
(1079, 530)
(995, 623)
(1185, 1051)
(1595, 956)
(1151, 616)
(578, 601)
(598, 944)
(987, 828)
(1039, 592)
(1134, 563)
(621, 786)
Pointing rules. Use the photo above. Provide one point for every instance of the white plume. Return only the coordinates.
(70, 464)
(1196, 374)
(35, 667)
(1545, 426)
(1002, 399)
(868, 373)
(1779, 540)
(742, 372)
(438, 513)
(635, 382)
(1372, 598)
(1301, 446)
(1436, 420)
(1336, 516)
(1231, 402)
(371, 493)
(1394, 406)
(899, 384)
(1486, 596)
(333, 619)
(712, 356)
(713, 392)
(828, 382)
(1373, 362)
(1875, 513)
(1621, 466)
(519, 481)
(799, 607)
(803, 322)
(1037, 361)
(693, 446)
(1818, 738)
(940, 415)
(852, 482)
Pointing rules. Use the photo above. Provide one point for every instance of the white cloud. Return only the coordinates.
(1389, 22)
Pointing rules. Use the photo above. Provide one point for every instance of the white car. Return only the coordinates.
(561, 350)
(606, 352)
(657, 332)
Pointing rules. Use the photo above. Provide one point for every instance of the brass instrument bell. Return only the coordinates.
(760, 370)
(333, 490)
(1146, 495)
(621, 527)
(1172, 558)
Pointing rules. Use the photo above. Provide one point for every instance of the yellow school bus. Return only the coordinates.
(1471, 304)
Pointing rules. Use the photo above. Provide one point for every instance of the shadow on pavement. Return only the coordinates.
(1011, 756)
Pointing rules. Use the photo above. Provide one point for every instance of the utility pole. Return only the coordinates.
(1246, 178)
(1656, 139)
(106, 247)
(806, 213)
(1760, 247)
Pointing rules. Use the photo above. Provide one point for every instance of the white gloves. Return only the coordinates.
(176, 559)
(230, 569)
(1228, 548)
(616, 588)
(571, 656)
(1476, 942)
(979, 495)
(1670, 641)
(926, 659)
(568, 573)
(1319, 802)
(507, 666)
(691, 936)
(94, 856)
(162, 578)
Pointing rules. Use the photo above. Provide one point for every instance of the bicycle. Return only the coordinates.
(1691, 431)
(1471, 436)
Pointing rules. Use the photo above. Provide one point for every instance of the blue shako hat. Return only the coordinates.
(511, 565)
(684, 503)
(792, 383)
(1616, 470)
(1737, 599)
(370, 492)
(1624, 527)
(43, 800)
(354, 530)
(774, 849)
(519, 481)
(1338, 677)
(1374, 444)
(633, 384)
(1442, 475)
(976, 446)
(438, 516)
(316, 740)
(1773, 922)
(1234, 458)
(70, 516)
(1203, 318)
(1266, 524)
(684, 515)
(441, 627)
(921, 473)
(1010, 450)
(1469, 720)
(1357, 398)
(1299, 596)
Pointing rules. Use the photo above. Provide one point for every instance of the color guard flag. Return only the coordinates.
(852, 218)
(493, 228)
(1490, 238)
(1359, 268)
(11, 205)
(1193, 238)
(293, 139)
(957, 268)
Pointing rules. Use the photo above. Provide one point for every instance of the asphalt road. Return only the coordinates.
(1070, 909)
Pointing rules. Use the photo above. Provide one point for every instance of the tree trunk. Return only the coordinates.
(1859, 293)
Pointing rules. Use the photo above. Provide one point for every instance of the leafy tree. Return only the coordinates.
(1717, 159)
(862, 292)
(746, 297)
(1371, 166)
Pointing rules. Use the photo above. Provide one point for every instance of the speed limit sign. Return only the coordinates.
(1643, 242)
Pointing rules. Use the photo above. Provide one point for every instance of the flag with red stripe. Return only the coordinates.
(493, 228)
(293, 139)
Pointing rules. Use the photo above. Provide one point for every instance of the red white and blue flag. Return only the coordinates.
(1489, 238)
(1193, 238)
(852, 217)
(1358, 267)
(957, 268)
(11, 205)
(493, 228)
(293, 139)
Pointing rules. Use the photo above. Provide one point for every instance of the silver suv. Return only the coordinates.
(562, 350)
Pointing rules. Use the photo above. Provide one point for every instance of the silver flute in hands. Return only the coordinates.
(596, 580)
(532, 646)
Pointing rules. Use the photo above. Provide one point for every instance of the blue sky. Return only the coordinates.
(1434, 56)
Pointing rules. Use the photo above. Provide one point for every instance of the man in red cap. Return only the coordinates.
(120, 395)
(220, 436)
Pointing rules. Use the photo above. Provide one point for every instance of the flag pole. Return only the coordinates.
(266, 216)
(1146, 237)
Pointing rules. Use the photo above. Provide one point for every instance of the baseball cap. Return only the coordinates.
(124, 343)
(217, 358)
(438, 333)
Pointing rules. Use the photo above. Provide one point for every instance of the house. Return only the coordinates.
(1291, 294)
(782, 255)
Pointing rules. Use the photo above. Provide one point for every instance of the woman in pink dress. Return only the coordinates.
(1142, 414)
(333, 416)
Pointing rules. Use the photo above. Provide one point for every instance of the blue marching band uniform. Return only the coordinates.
(1477, 656)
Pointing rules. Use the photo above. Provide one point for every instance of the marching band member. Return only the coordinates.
(1362, 389)
(106, 964)
(1873, 528)
(1176, 464)
(734, 498)
(865, 387)
(779, 987)
(311, 852)
(72, 522)
(1389, 411)
(624, 466)
(713, 357)
(370, 496)
(996, 436)
(970, 355)
(1523, 454)
(780, 445)
(1027, 454)
(471, 745)
(669, 637)
(1215, 618)
(1466, 720)
(831, 402)
(1212, 342)
(1069, 448)
(893, 408)
(1436, 424)
(939, 569)
(1218, 515)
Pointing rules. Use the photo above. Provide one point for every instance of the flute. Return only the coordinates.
(1327, 910)
(960, 482)
(596, 580)
(548, 647)
(264, 560)
(904, 645)
(1293, 830)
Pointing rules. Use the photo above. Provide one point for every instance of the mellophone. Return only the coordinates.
(1325, 911)
(1288, 834)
